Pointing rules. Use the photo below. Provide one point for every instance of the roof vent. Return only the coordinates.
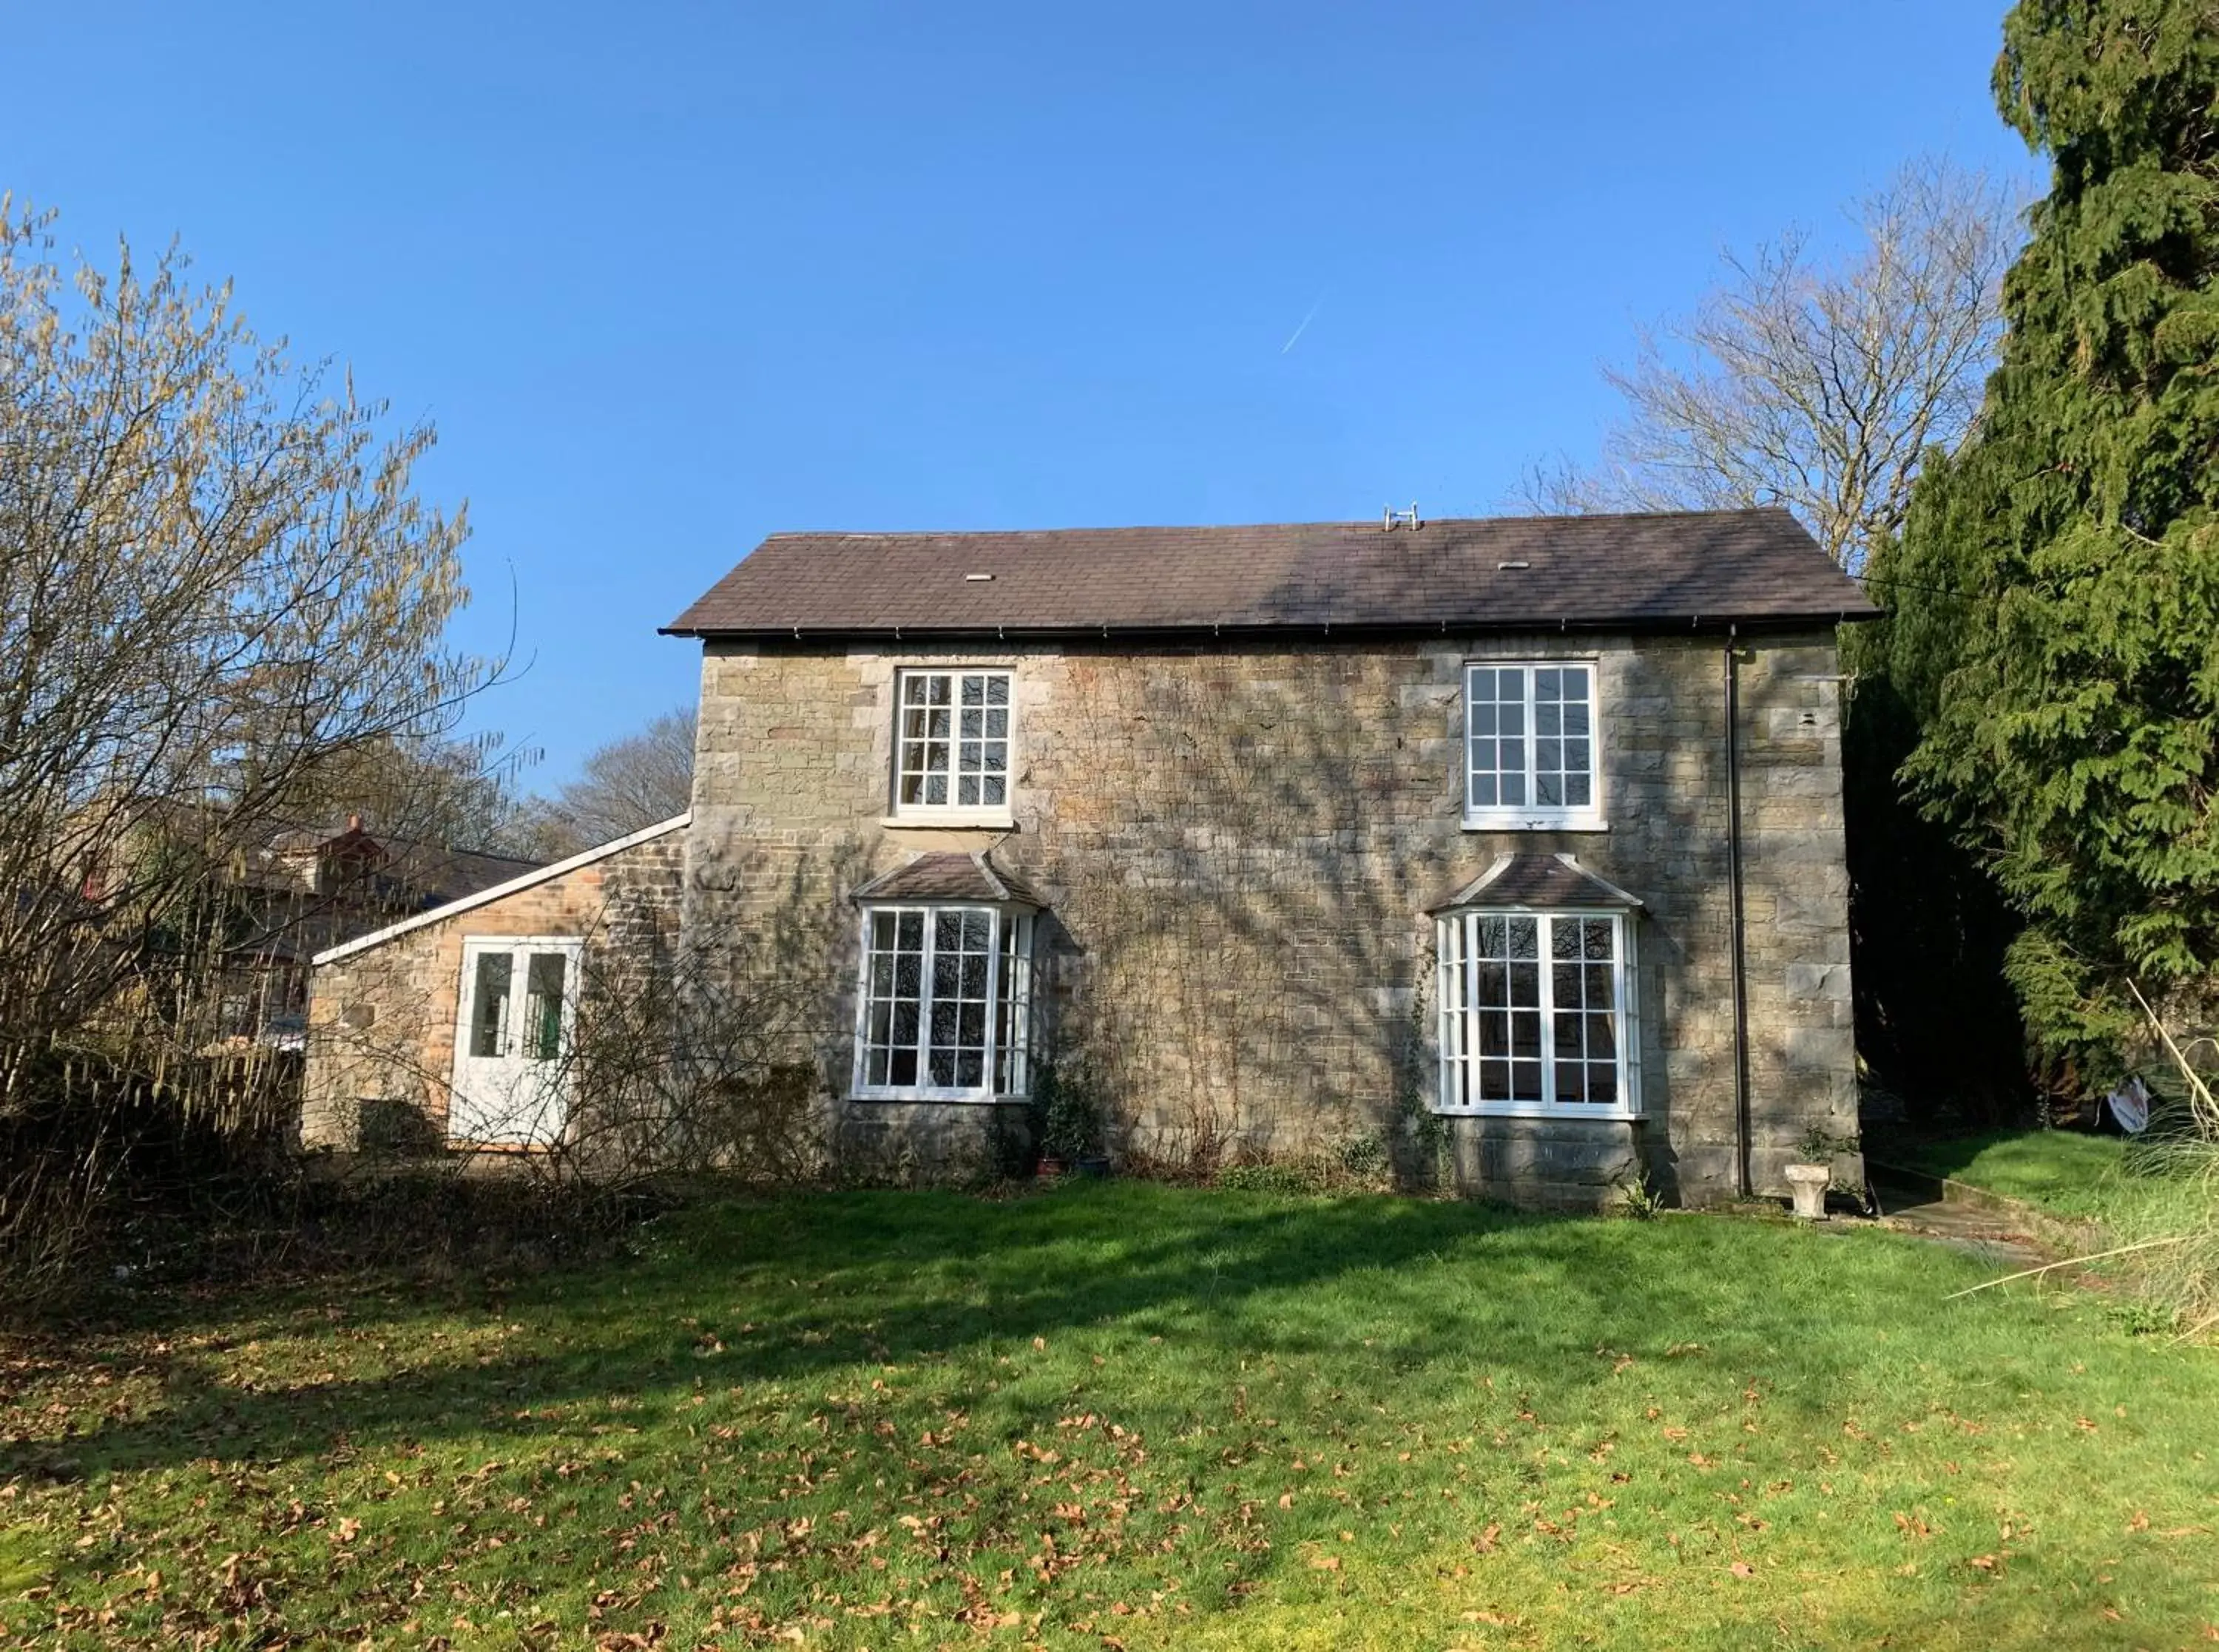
(1390, 518)
(1515, 563)
(977, 579)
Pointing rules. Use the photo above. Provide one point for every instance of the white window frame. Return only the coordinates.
(1006, 923)
(1530, 816)
(952, 813)
(1457, 1013)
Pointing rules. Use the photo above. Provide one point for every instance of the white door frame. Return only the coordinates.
(507, 1088)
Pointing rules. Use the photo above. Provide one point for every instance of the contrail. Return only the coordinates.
(1298, 332)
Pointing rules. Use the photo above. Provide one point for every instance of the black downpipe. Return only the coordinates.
(1733, 890)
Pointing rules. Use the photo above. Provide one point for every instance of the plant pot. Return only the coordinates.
(1808, 1183)
(1050, 1165)
(1096, 1165)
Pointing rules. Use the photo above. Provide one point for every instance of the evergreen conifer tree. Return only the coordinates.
(2056, 586)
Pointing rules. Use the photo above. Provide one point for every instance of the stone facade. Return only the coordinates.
(381, 1020)
(1239, 845)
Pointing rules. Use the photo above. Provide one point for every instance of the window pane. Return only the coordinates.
(1584, 986)
(1494, 757)
(544, 976)
(489, 1006)
(1494, 1032)
(1012, 1009)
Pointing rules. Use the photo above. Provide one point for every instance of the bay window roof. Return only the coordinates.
(951, 876)
(1539, 880)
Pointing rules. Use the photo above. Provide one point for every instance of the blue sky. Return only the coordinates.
(671, 278)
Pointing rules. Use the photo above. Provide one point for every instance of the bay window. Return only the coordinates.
(1537, 1012)
(944, 1004)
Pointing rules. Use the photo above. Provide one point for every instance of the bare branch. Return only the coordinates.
(1812, 383)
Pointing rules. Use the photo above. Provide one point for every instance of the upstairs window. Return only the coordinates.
(1531, 745)
(952, 743)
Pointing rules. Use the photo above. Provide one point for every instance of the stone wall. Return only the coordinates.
(1239, 845)
(382, 1022)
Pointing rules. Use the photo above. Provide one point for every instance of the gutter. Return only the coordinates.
(1193, 630)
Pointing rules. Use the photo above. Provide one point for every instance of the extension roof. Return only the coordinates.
(1665, 571)
(949, 875)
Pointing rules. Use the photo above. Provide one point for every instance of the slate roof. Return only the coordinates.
(1539, 880)
(948, 875)
(1668, 570)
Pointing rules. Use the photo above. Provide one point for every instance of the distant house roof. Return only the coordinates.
(1647, 572)
(948, 875)
(531, 877)
(1539, 880)
(430, 873)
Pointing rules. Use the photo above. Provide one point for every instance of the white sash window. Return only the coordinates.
(943, 1010)
(1531, 745)
(1537, 1013)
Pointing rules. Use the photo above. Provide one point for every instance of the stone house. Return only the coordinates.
(1514, 845)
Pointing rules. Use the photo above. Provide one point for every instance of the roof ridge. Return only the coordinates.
(1499, 519)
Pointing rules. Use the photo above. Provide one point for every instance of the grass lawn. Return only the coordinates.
(2067, 1173)
(1126, 1416)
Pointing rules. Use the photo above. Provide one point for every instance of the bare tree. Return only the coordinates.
(216, 588)
(1813, 382)
(626, 785)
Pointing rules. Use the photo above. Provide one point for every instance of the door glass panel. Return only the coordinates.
(546, 977)
(489, 1006)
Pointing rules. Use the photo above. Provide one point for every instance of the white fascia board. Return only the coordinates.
(486, 897)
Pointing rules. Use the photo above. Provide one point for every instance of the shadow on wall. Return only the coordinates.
(1249, 908)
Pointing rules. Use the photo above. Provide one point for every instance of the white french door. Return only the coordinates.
(516, 1015)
